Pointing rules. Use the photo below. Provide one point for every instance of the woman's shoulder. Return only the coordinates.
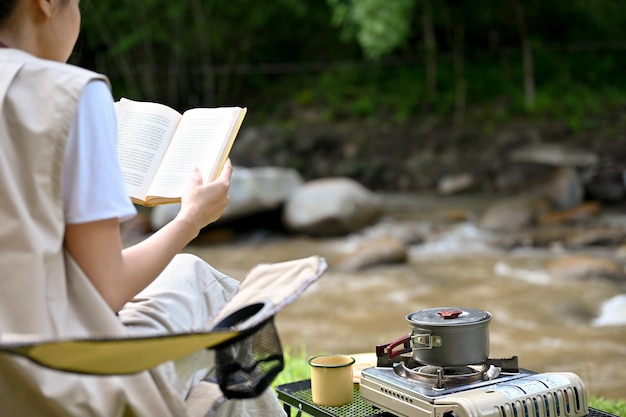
(53, 68)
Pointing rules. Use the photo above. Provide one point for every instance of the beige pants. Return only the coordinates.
(184, 298)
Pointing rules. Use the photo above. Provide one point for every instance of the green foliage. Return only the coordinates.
(378, 25)
(386, 93)
(195, 51)
(268, 56)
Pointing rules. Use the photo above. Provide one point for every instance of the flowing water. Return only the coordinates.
(547, 323)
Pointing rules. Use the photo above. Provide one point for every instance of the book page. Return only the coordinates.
(144, 130)
(203, 139)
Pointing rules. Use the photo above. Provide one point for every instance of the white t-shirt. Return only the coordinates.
(92, 184)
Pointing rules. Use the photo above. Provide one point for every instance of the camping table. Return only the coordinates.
(297, 395)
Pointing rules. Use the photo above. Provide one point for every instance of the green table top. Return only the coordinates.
(298, 396)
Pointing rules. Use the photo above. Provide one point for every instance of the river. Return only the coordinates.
(547, 323)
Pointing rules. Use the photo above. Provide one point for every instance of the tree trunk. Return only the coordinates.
(453, 16)
(149, 74)
(430, 49)
(175, 64)
(459, 72)
(121, 61)
(527, 55)
(205, 67)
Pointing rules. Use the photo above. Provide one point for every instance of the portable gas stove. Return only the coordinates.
(496, 387)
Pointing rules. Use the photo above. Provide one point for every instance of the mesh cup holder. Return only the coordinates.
(247, 365)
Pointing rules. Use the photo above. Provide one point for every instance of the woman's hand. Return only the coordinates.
(202, 204)
(118, 273)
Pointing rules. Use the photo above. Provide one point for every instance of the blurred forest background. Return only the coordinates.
(389, 72)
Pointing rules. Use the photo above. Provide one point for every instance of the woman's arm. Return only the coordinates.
(119, 274)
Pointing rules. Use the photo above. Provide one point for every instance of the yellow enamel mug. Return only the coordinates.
(331, 379)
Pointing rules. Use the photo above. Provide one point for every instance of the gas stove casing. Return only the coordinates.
(521, 394)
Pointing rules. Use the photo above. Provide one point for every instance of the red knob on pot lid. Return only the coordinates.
(449, 316)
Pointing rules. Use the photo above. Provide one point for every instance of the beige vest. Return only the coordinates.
(42, 290)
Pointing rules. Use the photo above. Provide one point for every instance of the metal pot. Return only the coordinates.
(447, 336)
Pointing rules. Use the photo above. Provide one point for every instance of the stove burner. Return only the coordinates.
(443, 376)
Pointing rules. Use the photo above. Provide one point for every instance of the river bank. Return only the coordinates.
(413, 156)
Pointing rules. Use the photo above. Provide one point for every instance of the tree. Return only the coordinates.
(453, 13)
(527, 54)
(183, 52)
(430, 53)
(378, 25)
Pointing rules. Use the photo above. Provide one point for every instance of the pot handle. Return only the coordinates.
(425, 341)
(388, 349)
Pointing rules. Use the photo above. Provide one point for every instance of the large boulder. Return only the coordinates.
(255, 190)
(585, 267)
(563, 188)
(372, 252)
(554, 154)
(252, 191)
(453, 184)
(331, 207)
(513, 214)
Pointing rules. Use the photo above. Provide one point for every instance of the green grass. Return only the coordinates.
(617, 408)
(297, 369)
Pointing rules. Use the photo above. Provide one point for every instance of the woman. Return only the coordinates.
(64, 271)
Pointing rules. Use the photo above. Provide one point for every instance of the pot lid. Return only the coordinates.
(449, 316)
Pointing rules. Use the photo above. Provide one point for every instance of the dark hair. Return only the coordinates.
(7, 7)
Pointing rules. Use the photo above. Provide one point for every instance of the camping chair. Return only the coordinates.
(265, 290)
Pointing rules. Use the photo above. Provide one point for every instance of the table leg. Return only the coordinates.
(287, 409)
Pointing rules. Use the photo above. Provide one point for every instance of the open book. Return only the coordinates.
(158, 147)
